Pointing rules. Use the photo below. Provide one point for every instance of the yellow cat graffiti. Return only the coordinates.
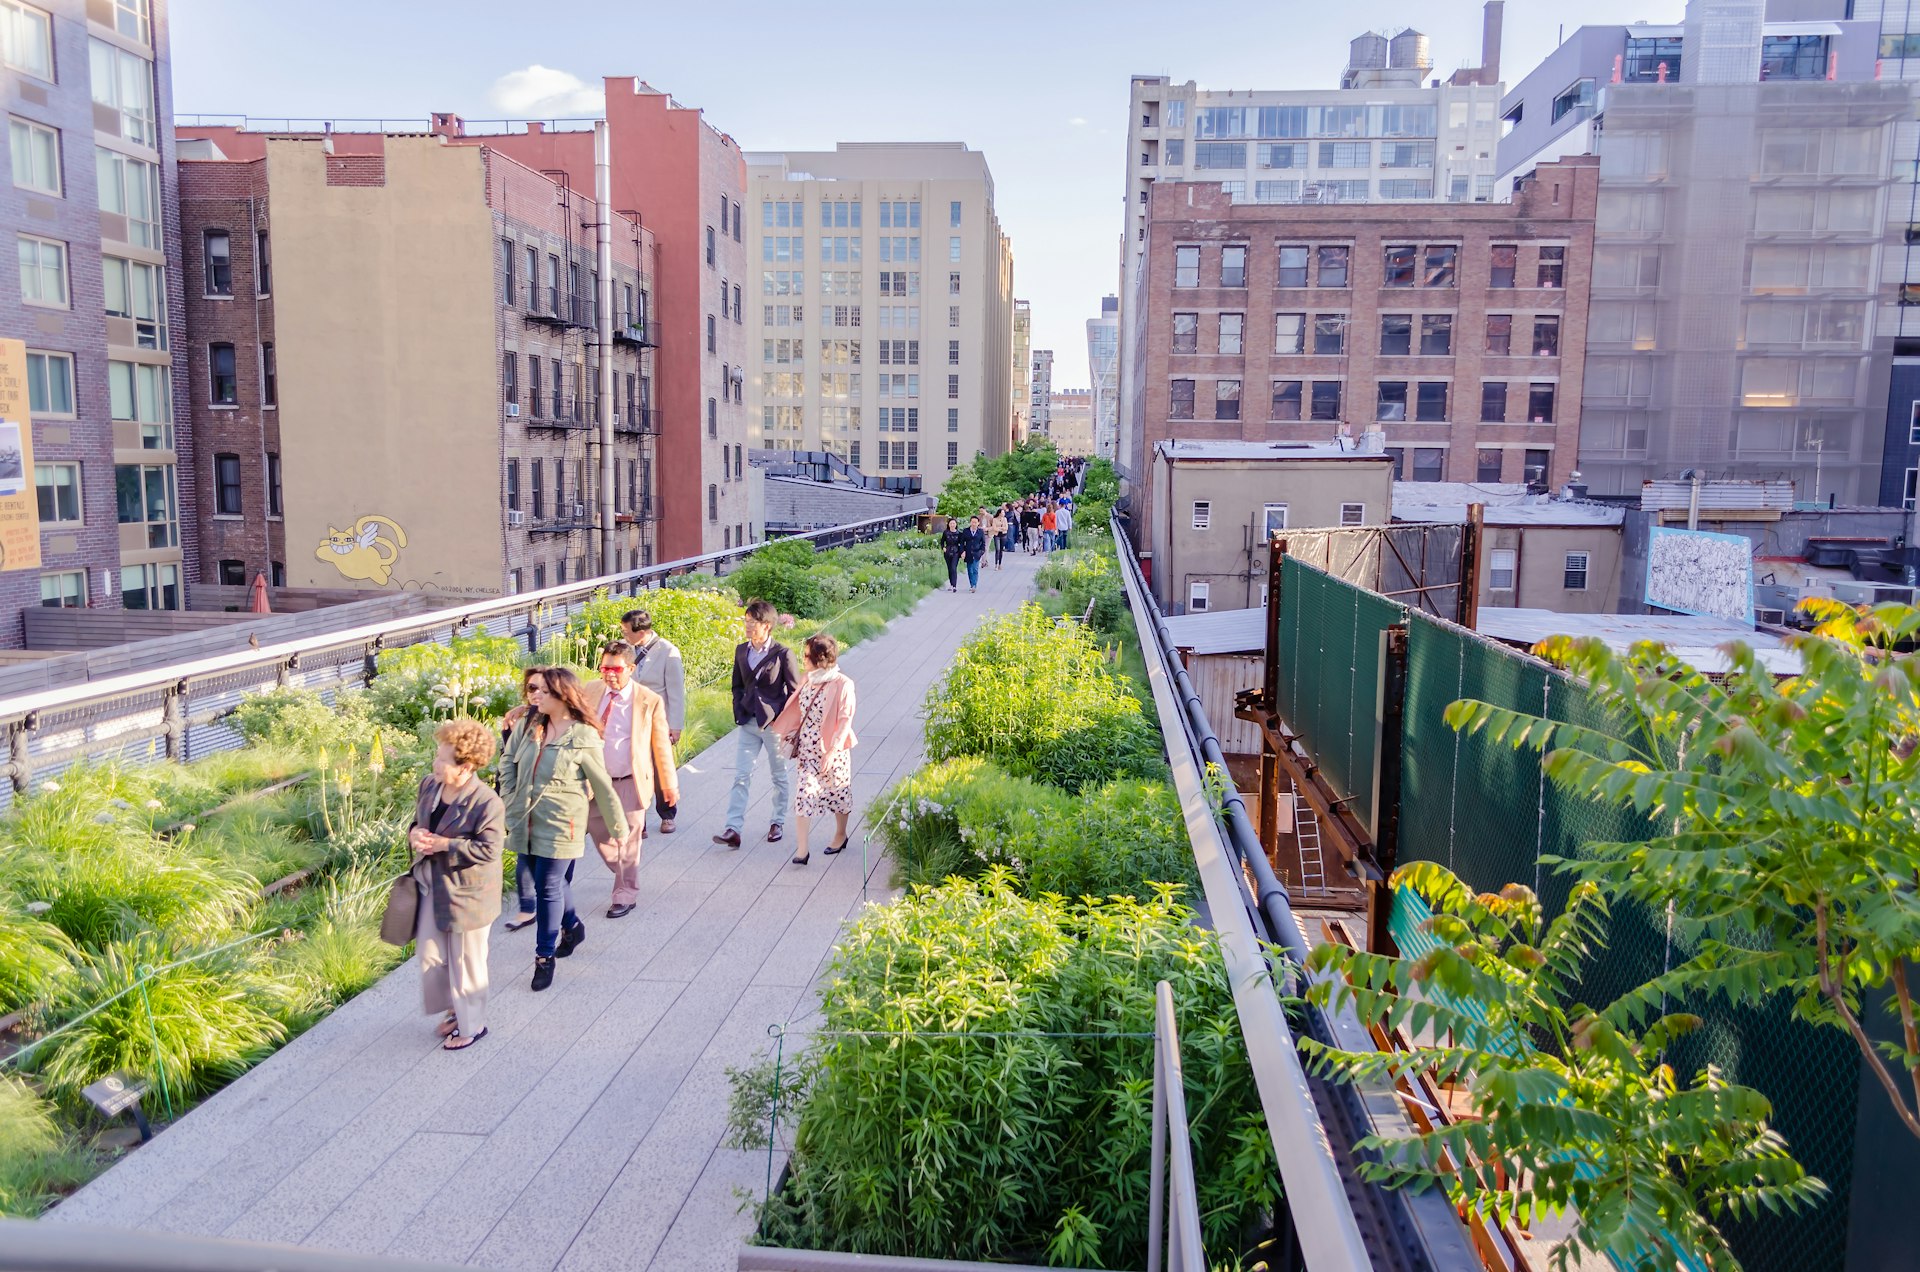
(363, 552)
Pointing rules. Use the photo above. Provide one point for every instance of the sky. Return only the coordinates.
(1040, 87)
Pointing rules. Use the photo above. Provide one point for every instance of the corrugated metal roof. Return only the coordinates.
(1237, 631)
(1693, 639)
(1718, 496)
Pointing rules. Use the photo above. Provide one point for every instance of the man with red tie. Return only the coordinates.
(633, 723)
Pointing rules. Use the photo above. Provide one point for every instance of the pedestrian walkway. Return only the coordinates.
(584, 1131)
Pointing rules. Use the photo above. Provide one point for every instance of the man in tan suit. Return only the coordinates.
(633, 722)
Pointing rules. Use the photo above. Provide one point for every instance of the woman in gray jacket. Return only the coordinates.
(459, 828)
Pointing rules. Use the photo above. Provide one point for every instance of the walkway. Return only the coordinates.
(583, 1133)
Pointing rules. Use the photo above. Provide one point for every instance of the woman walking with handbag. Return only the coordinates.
(816, 729)
(459, 828)
(553, 771)
(997, 529)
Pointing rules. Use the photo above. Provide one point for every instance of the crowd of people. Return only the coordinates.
(1039, 524)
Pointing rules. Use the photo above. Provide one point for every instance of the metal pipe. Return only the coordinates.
(603, 335)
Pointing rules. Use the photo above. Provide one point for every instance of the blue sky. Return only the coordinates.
(1040, 87)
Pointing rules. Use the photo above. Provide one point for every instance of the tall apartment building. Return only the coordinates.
(883, 327)
(93, 213)
(1103, 367)
(1041, 376)
(1743, 318)
(1071, 426)
(393, 366)
(1458, 330)
(685, 180)
(1391, 132)
(1022, 394)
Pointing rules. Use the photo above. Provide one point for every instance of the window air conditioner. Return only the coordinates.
(513, 409)
(579, 511)
(515, 517)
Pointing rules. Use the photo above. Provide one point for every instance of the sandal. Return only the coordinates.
(460, 1042)
(448, 1026)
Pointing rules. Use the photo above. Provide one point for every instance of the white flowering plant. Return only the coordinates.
(476, 676)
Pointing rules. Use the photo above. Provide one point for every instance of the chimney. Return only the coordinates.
(1490, 41)
(535, 127)
(448, 125)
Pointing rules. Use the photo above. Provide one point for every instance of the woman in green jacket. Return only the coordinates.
(552, 768)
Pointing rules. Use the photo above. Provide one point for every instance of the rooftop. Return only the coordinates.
(1188, 448)
(1696, 639)
(1505, 504)
(1235, 631)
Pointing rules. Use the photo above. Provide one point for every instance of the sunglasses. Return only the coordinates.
(608, 669)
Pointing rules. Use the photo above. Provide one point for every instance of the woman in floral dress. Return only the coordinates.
(816, 730)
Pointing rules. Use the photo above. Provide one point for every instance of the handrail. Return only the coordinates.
(1184, 1249)
(51, 1246)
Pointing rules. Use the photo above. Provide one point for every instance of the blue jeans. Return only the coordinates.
(1060, 538)
(1046, 540)
(973, 572)
(753, 740)
(523, 883)
(553, 881)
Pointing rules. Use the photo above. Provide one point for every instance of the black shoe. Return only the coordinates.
(774, 833)
(619, 911)
(542, 973)
(570, 940)
(729, 838)
(831, 849)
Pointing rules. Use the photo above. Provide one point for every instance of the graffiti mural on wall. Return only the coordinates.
(364, 552)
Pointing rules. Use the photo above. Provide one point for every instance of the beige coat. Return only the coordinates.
(652, 751)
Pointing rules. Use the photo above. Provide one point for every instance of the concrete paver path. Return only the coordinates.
(584, 1131)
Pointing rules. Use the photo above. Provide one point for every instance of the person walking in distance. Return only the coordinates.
(633, 724)
(764, 677)
(658, 666)
(553, 770)
(522, 866)
(1063, 523)
(1049, 524)
(953, 545)
(459, 830)
(816, 728)
(1030, 526)
(997, 530)
(973, 548)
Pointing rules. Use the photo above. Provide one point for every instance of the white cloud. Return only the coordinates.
(1077, 122)
(543, 92)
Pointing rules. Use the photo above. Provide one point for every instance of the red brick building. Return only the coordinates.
(1458, 329)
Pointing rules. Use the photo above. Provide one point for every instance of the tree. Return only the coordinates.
(1571, 1109)
(1794, 808)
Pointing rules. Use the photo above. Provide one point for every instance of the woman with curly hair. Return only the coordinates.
(459, 828)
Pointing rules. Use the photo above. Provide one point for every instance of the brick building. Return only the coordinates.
(92, 211)
(1458, 329)
(393, 345)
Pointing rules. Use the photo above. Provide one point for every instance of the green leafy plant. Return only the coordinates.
(475, 675)
(1084, 576)
(1037, 697)
(981, 1082)
(1792, 811)
(1573, 1110)
(39, 1162)
(791, 589)
(704, 625)
(36, 957)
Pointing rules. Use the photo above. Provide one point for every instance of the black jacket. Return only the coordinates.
(973, 544)
(759, 693)
(953, 542)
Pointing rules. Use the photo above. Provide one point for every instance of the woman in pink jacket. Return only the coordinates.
(816, 729)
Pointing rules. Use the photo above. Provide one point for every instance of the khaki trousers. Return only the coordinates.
(622, 855)
(453, 971)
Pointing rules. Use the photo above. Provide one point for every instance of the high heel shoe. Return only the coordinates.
(831, 849)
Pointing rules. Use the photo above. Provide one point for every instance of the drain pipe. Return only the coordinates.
(603, 335)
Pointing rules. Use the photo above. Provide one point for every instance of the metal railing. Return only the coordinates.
(176, 711)
(61, 1247)
(1180, 1241)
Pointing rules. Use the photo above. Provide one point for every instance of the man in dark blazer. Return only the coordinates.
(764, 677)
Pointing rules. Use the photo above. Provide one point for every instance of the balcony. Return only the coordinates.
(556, 309)
(566, 519)
(636, 420)
(638, 334)
(560, 419)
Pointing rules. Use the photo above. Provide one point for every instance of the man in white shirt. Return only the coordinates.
(661, 669)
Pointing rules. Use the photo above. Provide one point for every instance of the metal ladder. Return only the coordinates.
(1306, 835)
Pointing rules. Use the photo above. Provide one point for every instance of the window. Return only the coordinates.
(274, 506)
(1487, 463)
(953, 315)
(1233, 267)
(713, 417)
(1293, 268)
(1181, 405)
(1501, 567)
(263, 265)
(509, 290)
(26, 39)
(738, 316)
(222, 377)
(953, 387)
(43, 272)
(1202, 514)
(1173, 151)
(1286, 400)
(1406, 188)
(1326, 399)
(233, 573)
(216, 249)
(953, 249)
(137, 293)
(539, 577)
(1506, 261)
(533, 280)
(1574, 578)
(724, 311)
(539, 489)
(68, 588)
(1405, 154)
(1330, 334)
(1912, 495)
(1353, 514)
(536, 403)
(1226, 399)
(1186, 267)
(953, 214)
(510, 378)
(953, 419)
(270, 377)
(1273, 518)
(1500, 334)
(710, 247)
(1396, 335)
(145, 496)
(713, 503)
(123, 82)
(1197, 598)
(1553, 267)
(1428, 462)
(49, 383)
(1219, 155)
(36, 155)
(1540, 403)
(1334, 264)
(553, 284)
(1493, 402)
(713, 338)
(1186, 333)
(1289, 333)
(1346, 154)
(226, 486)
(1232, 328)
(57, 487)
(1431, 404)
(1392, 404)
(143, 394)
(1436, 335)
(1535, 466)
(1441, 266)
(953, 353)
(1400, 266)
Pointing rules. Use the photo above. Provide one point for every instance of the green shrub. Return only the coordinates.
(1124, 839)
(476, 676)
(302, 720)
(695, 581)
(1026, 1148)
(791, 589)
(1084, 575)
(1037, 696)
(38, 1161)
(36, 958)
(330, 963)
(836, 589)
(119, 891)
(800, 552)
(703, 624)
